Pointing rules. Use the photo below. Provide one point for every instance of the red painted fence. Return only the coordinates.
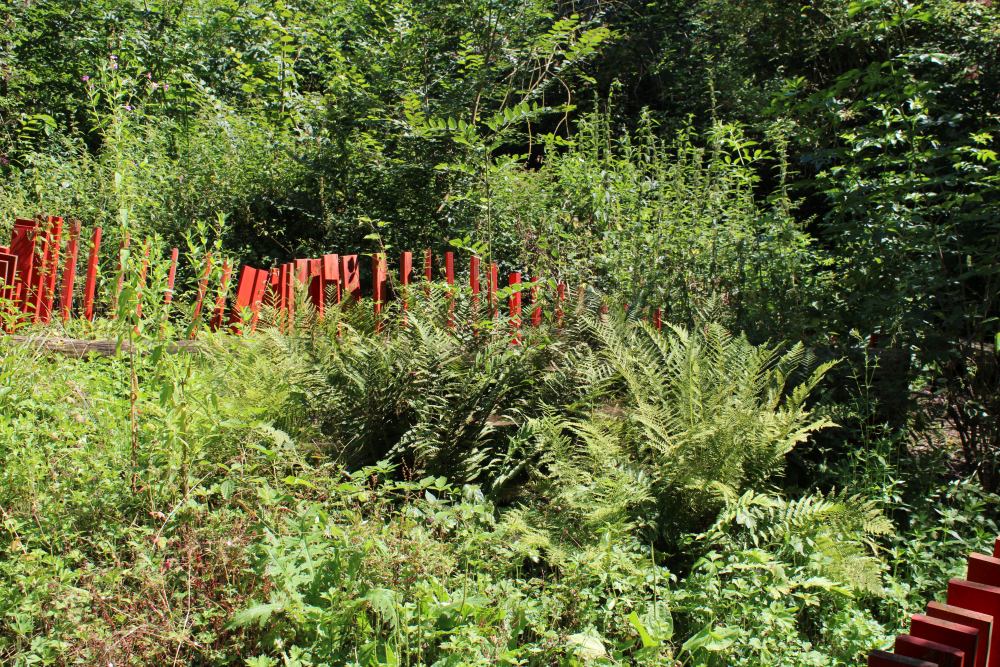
(964, 632)
(31, 287)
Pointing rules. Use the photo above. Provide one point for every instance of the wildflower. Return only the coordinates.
(128, 107)
(166, 86)
(85, 77)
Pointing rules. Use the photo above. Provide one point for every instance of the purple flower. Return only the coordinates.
(4, 161)
(85, 77)
(128, 107)
(166, 86)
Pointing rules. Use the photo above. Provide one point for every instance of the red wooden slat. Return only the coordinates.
(428, 265)
(405, 274)
(90, 285)
(48, 289)
(331, 277)
(69, 271)
(931, 651)
(983, 599)
(981, 622)
(220, 297)
(168, 294)
(514, 304)
(317, 286)
(886, 659)
(984, 570)
(962, 637)
(380, 273)
(8, 287)
(474, 284)
(658, 319)
(261, 285)
(22, 245)
(351, 276)
(246, 282)
(37, 285)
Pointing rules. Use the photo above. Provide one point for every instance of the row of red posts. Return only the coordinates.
(963, 632)
(38, 271)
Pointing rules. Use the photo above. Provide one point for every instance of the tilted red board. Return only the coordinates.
(351, 275)
(984, 599)
(924, 649)
(984, 570)
(963, 637)
(973, 619)
(886, 659)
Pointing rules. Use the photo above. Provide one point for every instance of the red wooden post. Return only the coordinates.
(983, 599)
(143, 272)
(220, 297)
(272, 295)
(981, 622)
(536, 312)
(560, 300)
(90, 285)
(69, 271)
(474, 284)
(996, 548)
(40, 279)
(379, 274)
(351, 275)
(8, 287)
(405, 274)
(200, 298)
(886, 659)
(962, 637)
(331, 275)
(984, 570)
(658, 319)
(246, 283)
(168, 294)
(22, 244)
(262, 282)
(317, 286)
(48, 289)
(937, 653)
(514, 303)
(491, 288)
(301, 270)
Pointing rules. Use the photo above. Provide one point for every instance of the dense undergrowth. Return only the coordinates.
(601, 494)
(809, 191)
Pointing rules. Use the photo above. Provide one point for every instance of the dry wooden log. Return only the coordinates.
(78, 347)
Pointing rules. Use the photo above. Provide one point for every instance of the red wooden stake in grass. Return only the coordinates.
(39, 280)
(380, 273)
(331, 277)
(200, 298)
(474, 284)
(261, 284)
(351, 276)
(936, 653)
(90, 285)
(983, 599)
(962, 637)
(405, 275)
(8, 287)
(168, 294)
(981, 622)
(317, 288)
(246, 283)
(69, 272)
(220, 298)
(560, 300)
(514, 303)
(51, 268)
(658, 319)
